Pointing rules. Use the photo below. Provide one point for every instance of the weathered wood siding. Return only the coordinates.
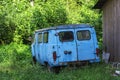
(111, 28)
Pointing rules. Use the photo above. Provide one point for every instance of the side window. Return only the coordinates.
(45, 37)
(66, 36)
(40, 38)
(83, 35)
(33, 38)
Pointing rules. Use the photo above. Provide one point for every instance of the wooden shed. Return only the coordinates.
(111, 26)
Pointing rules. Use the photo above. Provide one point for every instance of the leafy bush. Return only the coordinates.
(14, 53)
(18, 20)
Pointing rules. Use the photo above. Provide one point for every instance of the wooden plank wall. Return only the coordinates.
(111, 28)
(118, 27)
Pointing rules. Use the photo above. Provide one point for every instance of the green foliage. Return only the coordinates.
(29, 72)
(15, 64)
(14, 54)
(7, 26)
(48, 15)
(19, 19)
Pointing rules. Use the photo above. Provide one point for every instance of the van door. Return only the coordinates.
(41, 46)
(35, 46)
(45, 46)
(40, 43)
(66, 45)
(85, 44)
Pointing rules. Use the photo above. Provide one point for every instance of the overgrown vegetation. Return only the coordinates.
(15, 64)
(93, 72)
(14, 55)
(19, 19)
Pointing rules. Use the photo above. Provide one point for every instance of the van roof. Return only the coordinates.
(70, 26)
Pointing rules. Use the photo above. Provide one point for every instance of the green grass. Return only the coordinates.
(29, 72)
(14, 66)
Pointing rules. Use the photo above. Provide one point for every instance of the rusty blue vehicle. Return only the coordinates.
(61, 45)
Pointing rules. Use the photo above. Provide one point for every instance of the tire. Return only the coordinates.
(34, 60)
(53, 69)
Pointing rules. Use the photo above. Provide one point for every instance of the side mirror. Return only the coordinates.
(30, 39)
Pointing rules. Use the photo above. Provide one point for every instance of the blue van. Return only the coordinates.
(61, 45)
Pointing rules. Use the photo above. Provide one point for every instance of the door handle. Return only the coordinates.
(67, 52)
(58, 56)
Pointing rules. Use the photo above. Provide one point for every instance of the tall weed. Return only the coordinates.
(14, 54)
